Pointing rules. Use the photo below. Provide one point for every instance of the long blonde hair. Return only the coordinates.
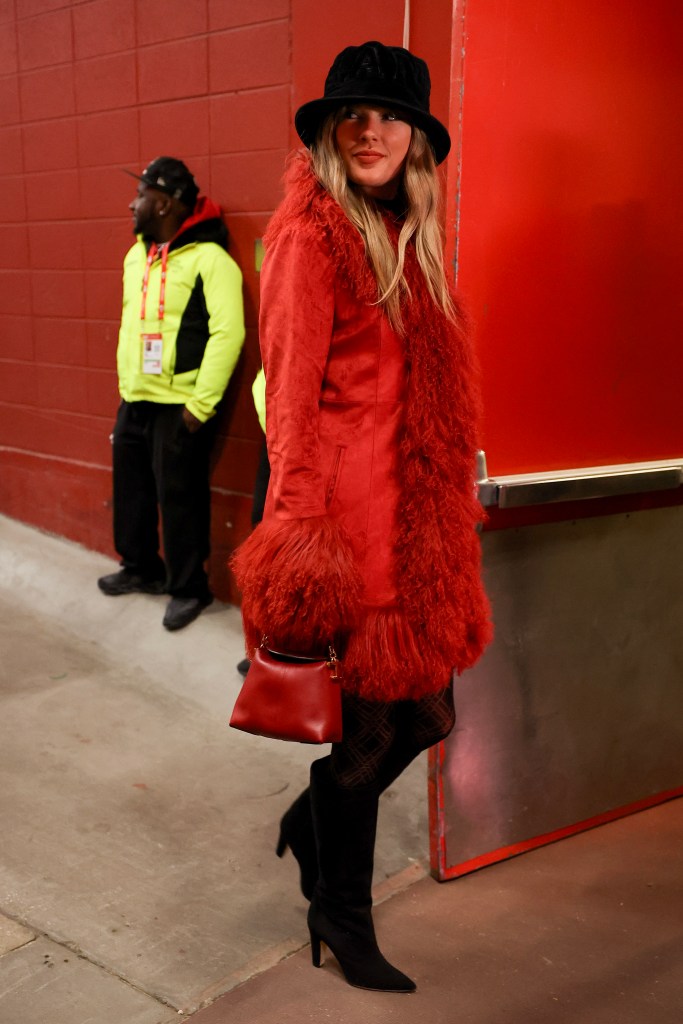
(422, 193)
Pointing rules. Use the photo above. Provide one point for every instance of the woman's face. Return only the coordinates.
(373, 143)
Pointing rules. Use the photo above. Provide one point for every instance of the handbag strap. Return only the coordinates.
(332, 661)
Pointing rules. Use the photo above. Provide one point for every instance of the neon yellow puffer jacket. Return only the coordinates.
(203, 322)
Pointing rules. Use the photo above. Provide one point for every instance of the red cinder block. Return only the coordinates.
(91, 433)
(15, 293)
(251, 358)
(251, 298)
(45, 40)
(230, 525)
(14, 248)
(29, 8)
(173, 70)
(247, 58)
(72, 497)
(62, 388)
(14, 427)
(201, 168)
(50, 145)
(103, 336)
(17, 383)
(16, 337)
(10, 151)
(236, 467)
(47, 93)
(105, 83)
(65, 435)
(248, 182)
(58, 293)
(175, 128)
(250, 120)
(244, 229)
(105, 242)
(222, 15)
(244, 414)
(52, 196)
(106, 193)
(8, 52)
(56, 245)
(104, 26)
(102, 293)
(102, 393)
(180, 20)
(9, 100)
(12, 199)
(61, 341)
(108, 137)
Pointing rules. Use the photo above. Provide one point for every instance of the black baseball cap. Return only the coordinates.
(169, 175)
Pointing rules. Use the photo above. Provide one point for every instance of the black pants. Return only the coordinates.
(260, 486)
(160, 465)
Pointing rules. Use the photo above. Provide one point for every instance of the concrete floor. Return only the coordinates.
(138, 829)
(137, 876)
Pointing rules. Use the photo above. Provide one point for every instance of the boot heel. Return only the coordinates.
(316, 952)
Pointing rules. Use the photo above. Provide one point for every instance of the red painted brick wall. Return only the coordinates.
(86, 89)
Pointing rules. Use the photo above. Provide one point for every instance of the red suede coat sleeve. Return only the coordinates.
(297, 317)
(300, 584)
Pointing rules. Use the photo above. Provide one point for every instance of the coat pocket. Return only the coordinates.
(333, 478)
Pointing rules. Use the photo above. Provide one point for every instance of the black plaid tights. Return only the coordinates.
(380, 740)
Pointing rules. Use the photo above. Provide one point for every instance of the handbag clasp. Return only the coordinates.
(333, 664)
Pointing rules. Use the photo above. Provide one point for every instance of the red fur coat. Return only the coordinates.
(369, 529)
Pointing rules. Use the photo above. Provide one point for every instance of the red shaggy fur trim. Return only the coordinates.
(299, 582)
(385, 660)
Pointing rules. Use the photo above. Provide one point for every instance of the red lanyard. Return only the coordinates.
(151, 256)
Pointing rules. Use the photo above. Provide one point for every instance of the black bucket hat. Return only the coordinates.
(172, 176)
(373, 73)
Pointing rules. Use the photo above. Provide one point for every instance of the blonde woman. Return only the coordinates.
(368, 537)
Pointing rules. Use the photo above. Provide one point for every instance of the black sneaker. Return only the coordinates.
(126, 582)
(181, 611)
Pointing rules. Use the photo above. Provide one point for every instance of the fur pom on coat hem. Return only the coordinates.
(299, 583)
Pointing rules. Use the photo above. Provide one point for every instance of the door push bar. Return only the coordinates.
(522, 489)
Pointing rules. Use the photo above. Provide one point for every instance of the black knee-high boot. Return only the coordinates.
(296, 825)
(340, 915)
(296, 832)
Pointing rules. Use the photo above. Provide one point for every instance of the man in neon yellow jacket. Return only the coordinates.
(182, 329)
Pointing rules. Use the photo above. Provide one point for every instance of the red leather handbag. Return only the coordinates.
(290, 697)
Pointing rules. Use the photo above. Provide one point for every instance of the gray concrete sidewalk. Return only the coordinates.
(138, 879)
